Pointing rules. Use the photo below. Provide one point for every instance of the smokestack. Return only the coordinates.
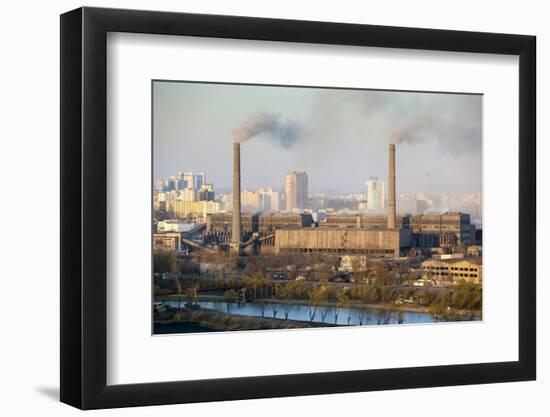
(391, 188)
(236, 207)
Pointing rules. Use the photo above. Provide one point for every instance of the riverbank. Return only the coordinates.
(377, 307)
(209, 320)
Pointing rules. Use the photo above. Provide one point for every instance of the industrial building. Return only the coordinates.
(351, 221)
(373, 243)
(373, 235)
(429, 230)
(433, 225)
(259, 222)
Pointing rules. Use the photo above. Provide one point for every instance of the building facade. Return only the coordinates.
(206, 192)
(199, 179)
(171, 225)
(189, 179)
(375, 194)
(432, 226)
(188, 194)
(167, 241)
(372, 243)
(179, 208)
(259, 222)
(270, 199)
(453, 270)
(429, 230)
(296, 190)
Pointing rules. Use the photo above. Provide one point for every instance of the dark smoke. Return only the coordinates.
(452, 132)
(285, 132)
(417, 129)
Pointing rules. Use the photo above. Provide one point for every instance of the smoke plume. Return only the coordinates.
(453, 130)
(285, 132)
(417, 129)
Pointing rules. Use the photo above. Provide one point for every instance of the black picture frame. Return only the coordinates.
(84, 207)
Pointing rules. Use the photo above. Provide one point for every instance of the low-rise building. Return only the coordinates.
(352, 263)
(170, 241)
(474, 250)
(453, 270)
(174, 225)
(182, 209)
(448, 256)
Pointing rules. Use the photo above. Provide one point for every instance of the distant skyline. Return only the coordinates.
(339, 137)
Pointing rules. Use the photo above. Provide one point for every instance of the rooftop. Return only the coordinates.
(473, 260)
(345, 229)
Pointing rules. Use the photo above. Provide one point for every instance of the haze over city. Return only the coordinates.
(339, 137)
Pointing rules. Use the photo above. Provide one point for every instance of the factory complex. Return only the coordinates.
(375, 236)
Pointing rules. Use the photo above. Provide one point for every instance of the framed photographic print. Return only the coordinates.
(258, 207)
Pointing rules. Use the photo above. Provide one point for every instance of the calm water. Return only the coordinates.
(301, 312)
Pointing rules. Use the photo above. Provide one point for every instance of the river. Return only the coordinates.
(302, 312)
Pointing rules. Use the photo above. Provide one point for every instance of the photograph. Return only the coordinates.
(294, 207)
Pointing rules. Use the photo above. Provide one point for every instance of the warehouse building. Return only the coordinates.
(374, 243)
(259, 222)
(431, 226)
(350, 221)
(429, 230)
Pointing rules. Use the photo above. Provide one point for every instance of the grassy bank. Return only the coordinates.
(215, 320)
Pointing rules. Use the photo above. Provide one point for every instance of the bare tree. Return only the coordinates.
(343, 301)
(285, 292)
(336, 311)
(319, 298)
(286, 309)
(361, 316)
(312, 311)
(313, 296)
(274, 309)
(324, 312)
(229, 297)
(400, 317)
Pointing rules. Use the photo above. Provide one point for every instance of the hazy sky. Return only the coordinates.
(339, 137)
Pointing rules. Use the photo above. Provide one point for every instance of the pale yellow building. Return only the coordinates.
(180, 208)
(453, 270)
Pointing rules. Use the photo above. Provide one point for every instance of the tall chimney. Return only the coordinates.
(236, 206)
(391, 188)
